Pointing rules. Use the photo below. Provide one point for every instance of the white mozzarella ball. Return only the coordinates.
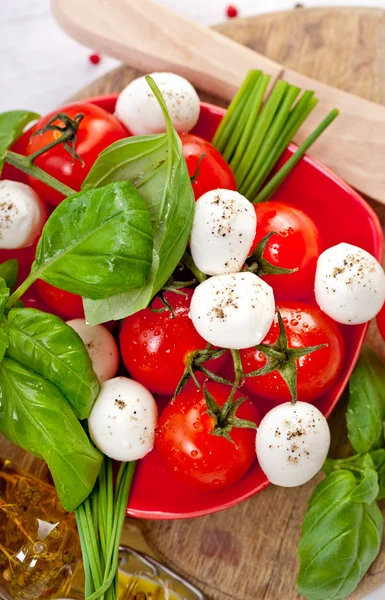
(222, 233)
(22, 215)
(233, 311)
(139, 110)
(123, 419)
(349, 284)
(101, 347)
(292, 443)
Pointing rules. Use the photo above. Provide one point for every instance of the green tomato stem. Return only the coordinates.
(25, 164)
(238, 370)
(189, 263)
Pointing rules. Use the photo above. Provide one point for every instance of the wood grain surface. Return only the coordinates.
(148, 36)
(249, 552)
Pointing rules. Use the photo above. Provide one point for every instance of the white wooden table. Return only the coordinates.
(40, 66)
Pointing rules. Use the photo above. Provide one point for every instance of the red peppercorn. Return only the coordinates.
(231, 11)
(95, 58)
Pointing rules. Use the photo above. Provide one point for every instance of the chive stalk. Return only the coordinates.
(297, 117)
(254, 133)
(100, 522)
(223, 131)
(284, 171)
(250, 134)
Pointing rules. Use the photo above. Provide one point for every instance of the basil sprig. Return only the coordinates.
(341, 535)
(12, 124)
(45, 344)
(35, 415)
(156, 166)
(366, 408)
(95, 243)
(343, 527)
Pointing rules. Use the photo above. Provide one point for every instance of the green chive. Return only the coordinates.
(284, 171)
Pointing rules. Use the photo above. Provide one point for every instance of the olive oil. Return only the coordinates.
(39, 546)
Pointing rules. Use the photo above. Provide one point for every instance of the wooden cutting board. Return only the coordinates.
(249, 552)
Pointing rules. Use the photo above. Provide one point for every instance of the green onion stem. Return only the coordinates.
(249, 137)
(223, 132)
(88, 589)
(122, 490)
(249, 111)
(261, 169)
(100, 522)
(261, 127)
(268, 140)
(279, 177)
(96, 571)
(280, 146)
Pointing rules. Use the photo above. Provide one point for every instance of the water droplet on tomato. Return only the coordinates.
(285, 320)
(305, 325)
(196, 425)
(157, 332)
(294, 322)
(194, 453)
(145, 334)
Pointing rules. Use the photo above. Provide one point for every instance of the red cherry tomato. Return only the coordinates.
(305, 326)
(31, 299)
(185, 439)
(298, 246)
(97, 130)
(60, 302)
(381, 321)
(155, 346)
(214, 172)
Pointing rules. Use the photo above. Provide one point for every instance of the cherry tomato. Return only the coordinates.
(31, 299)
(185, 439)
(298, 246)
(59, 301)
(381, 321)
(97, 130)
(305, 326)
(214, 172)
(155, 346)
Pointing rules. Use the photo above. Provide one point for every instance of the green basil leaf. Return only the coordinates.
(4, 296)
(48, 346)
(3, 342)
(156, 166)
(366, 408)
(11, 127)
(368, 488)
(96, 243)
(378, 457)
(138, 159)
(369, 469)
(9, 271)
(365, 472)
(35, 415)
(340, 539)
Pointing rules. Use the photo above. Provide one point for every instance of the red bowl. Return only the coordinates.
(342, 216)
